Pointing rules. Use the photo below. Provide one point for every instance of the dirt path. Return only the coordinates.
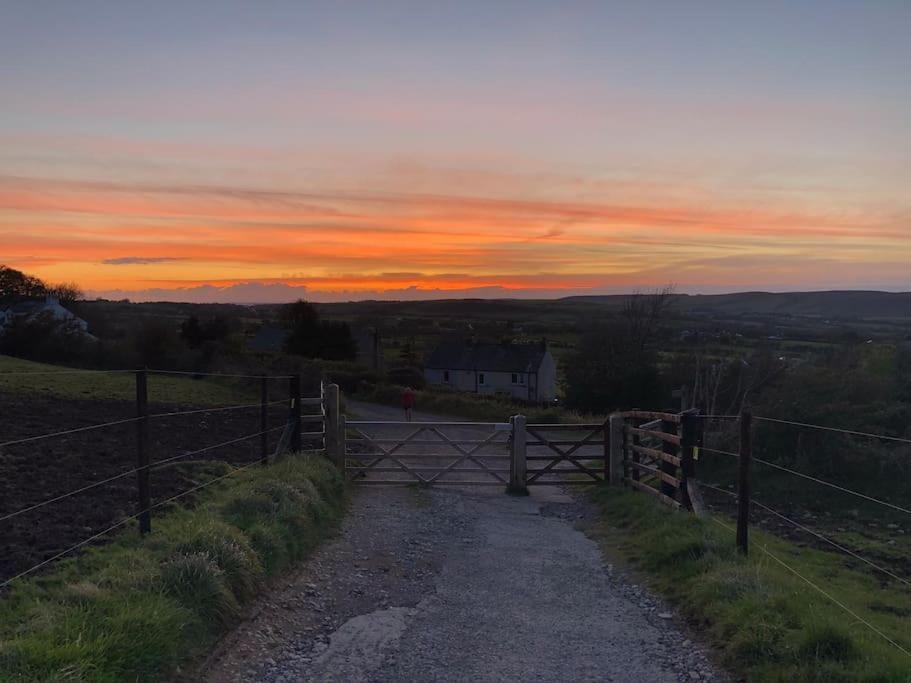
(459, 584)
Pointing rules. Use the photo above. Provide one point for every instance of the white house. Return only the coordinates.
(523, 371)
(50, 308)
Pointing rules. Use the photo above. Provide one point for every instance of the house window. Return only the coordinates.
(446, 376)
(518, 378)
(481, 378)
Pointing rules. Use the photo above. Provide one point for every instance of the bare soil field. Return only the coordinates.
(37, 471)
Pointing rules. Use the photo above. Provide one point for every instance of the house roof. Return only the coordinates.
(24, 307)
(453, 355)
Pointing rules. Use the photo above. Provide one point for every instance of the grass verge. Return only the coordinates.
(139, 608)
(768, 624)
(472, 406)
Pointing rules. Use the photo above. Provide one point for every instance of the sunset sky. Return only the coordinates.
(262, 151)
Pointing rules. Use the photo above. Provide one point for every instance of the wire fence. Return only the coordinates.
(744, 497)
(289, 424)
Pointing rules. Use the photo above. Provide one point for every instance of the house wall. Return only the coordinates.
(501, 382)
(547, 379)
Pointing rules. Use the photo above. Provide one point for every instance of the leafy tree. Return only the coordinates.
(196, 333)
(615, 364)
(609, 371)
(191, 332)
(15, 284)
(302, 320)
(336, 342)
(312, 338)
(43, 338)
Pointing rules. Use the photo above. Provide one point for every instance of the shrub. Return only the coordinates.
(231, 552)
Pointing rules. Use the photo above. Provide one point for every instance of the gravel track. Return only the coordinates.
(460, 584)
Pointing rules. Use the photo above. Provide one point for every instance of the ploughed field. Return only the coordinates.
(36, 471)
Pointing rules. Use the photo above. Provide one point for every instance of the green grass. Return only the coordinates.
(140, 609)
(472, 406)
(120, 386)
(768, 624)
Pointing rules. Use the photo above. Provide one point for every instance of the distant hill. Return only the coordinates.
(831, 304)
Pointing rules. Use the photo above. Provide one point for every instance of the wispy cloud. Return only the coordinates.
(140, 260)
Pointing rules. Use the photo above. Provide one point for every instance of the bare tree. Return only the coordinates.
(67, 293)
(643, 313)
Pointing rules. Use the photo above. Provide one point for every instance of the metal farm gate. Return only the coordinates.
(509, 454)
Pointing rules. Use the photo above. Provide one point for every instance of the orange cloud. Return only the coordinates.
(128, 237)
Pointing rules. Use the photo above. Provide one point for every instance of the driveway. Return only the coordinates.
(460, 584)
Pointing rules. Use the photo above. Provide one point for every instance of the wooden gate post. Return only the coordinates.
(690, 426)
(617, 450)
(264, 420)
(142, 452)
(294, 394)
(331, 426)
(518, 485)
(342, 442)
(668, 468)
(743, 481)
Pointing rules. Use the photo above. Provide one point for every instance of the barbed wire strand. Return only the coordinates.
(815, 479)
(121, 523)
(135, 470)
(820, 590)
(833, 429)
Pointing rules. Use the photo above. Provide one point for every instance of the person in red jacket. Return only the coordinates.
(408, 402)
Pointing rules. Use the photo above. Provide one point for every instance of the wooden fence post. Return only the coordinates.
(294, 390)
(264, 420)
(743, 481)
(331, 426)
(517, 453)
(142, 452)
(616, 450)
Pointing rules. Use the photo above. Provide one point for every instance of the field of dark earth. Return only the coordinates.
(37, 471)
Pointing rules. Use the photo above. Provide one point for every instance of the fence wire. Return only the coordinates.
(852, 492)
(150, 466)
(121, 523)
(820, 590)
